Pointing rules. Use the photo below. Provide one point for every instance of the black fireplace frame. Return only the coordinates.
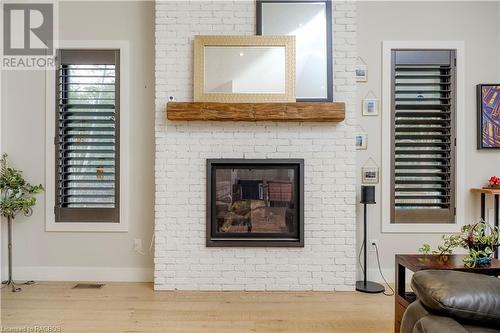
(212, 241)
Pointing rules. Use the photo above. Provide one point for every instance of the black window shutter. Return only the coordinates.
(87, 138)
(423, 136)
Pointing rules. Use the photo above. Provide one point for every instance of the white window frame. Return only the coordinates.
(387, 226)
(122, 225)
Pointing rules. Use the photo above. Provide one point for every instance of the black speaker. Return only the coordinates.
(365, 286)
(368, 194)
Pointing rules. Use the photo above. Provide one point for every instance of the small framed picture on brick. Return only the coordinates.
(369, 175)
(370, 107)
(361, 72)
(361, 140)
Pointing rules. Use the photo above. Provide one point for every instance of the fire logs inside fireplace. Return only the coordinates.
(255, 202)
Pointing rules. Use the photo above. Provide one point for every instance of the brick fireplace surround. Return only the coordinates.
(182, 260)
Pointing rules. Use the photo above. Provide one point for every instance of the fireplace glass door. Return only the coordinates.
(254, 203)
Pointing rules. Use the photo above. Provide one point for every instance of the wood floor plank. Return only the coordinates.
(135, 307)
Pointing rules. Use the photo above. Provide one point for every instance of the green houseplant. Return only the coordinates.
(16, 196)
(479, 239)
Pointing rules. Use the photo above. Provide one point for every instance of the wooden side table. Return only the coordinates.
(417, 262)
(496, 196)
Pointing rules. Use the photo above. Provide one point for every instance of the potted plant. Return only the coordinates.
(479, 239)
(494, 182)
(17, 196)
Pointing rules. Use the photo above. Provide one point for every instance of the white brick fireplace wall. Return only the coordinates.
(182, 261)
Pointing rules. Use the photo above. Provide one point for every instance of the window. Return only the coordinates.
(87, 136)
(423, 141)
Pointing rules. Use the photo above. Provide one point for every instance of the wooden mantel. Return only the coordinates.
(299, 111)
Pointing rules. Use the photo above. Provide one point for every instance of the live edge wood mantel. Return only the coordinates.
(299, 111)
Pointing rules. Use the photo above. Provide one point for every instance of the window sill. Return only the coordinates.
(85, 227)
(421, 228)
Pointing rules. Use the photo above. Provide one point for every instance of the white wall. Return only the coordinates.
(182, 261)
(44, 255)
(38, 253)
(476, 23)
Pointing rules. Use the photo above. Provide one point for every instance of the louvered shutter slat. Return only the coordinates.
(87, 139)
(423, 140)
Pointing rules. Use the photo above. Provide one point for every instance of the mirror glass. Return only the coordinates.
(244, 69)
(308, 21)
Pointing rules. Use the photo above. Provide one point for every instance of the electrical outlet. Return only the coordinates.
(138, 245)
(371, 245)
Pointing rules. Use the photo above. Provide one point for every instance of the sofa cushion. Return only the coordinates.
(481, 329)
(413, 313)
(438, 324)
(467, 297)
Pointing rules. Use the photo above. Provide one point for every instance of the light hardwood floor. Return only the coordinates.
(135, 307)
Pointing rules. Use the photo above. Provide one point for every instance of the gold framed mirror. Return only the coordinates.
(244, 69)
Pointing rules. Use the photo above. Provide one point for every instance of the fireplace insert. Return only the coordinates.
(255, 202)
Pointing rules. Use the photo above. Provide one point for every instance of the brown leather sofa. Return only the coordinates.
(453, 302)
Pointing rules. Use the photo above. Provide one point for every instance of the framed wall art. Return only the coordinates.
(488, 117)
(370, 107)
(361, 140)
(361, 72)
(370, 172)
(369, 175)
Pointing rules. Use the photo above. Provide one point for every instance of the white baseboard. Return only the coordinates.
(126, 274)
(68, 273)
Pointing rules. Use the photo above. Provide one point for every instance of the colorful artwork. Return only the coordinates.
(489, 116)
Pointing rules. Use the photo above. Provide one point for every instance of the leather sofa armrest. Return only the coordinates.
(464, 296)
(418, 320)
(437, 324)
(414, 312)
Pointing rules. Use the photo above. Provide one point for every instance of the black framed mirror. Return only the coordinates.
(311, 23)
